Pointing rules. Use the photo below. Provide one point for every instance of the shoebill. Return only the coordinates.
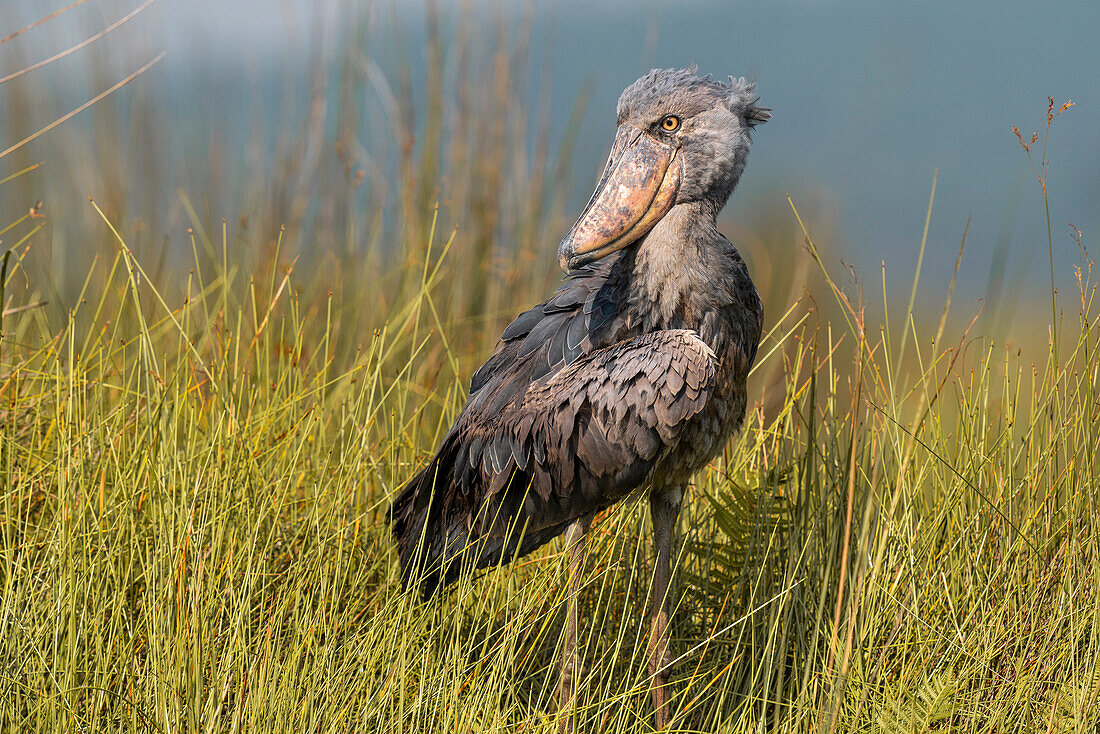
(630, 377)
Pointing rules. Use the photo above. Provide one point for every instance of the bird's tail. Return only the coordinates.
(435, 542)
(417, 536)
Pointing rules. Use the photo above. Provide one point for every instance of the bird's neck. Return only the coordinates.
(671, 263)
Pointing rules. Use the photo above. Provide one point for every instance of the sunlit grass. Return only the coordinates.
(193, 532)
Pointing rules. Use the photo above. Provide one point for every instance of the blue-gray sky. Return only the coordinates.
(869, 99)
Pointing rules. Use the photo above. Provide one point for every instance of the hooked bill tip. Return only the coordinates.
(638, 187)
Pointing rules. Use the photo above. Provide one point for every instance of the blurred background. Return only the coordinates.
(346, 122)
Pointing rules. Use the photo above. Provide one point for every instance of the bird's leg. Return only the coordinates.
(664, 508)
(570, 661)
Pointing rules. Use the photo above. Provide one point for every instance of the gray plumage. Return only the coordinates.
(632, 374)
(633, 371)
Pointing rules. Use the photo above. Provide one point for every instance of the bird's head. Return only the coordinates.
(681, 138)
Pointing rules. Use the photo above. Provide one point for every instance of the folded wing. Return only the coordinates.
(514, 473)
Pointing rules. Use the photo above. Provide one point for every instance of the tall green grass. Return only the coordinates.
(193, 535)
(198, 451)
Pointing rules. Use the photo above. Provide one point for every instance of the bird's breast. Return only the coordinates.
(733, 333)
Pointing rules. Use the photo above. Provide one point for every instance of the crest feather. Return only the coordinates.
(744, 101)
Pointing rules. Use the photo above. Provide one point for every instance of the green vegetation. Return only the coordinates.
(197, 458)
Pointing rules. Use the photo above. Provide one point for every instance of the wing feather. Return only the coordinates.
(558, 330)
(610, 415)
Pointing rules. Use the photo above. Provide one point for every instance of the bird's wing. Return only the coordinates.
(507, 480)
(438, 506)
(583, 439)
(556, 331)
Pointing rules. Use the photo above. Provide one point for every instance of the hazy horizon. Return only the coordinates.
(868, 101)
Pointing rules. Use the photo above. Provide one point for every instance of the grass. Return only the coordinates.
(197, 456)
(193, 534)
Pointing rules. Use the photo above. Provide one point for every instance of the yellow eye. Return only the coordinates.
(670, 123)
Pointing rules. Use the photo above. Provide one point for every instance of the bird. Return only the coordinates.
(626, 381)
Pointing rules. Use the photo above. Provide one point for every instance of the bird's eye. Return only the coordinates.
(670, 123)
